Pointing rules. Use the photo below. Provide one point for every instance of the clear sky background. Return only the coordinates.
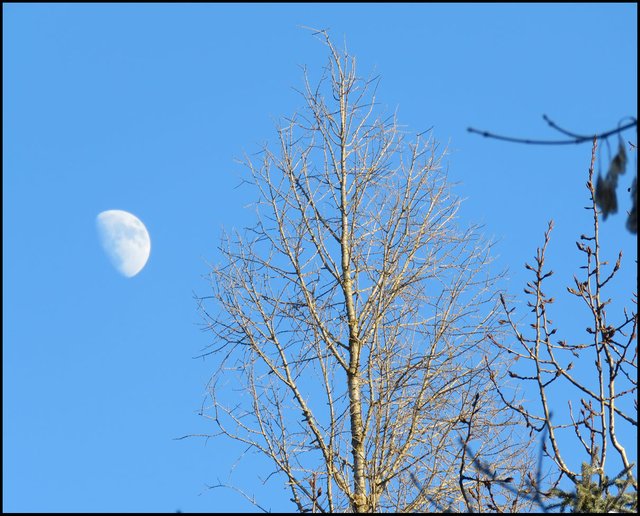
(144, 108)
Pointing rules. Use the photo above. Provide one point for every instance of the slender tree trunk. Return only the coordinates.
(359, 501)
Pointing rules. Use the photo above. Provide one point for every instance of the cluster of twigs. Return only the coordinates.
(604, 404)
(606, 397)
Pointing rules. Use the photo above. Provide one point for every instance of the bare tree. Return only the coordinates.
(597, 374)
(350, 322)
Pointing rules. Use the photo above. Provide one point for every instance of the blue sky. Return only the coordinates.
(144, 108)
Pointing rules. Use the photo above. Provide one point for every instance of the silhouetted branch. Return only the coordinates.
(575, 138)
(606, 196)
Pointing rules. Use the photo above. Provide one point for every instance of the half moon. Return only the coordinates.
(125, 239)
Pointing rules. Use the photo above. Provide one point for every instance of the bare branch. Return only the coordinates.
(575, 138)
